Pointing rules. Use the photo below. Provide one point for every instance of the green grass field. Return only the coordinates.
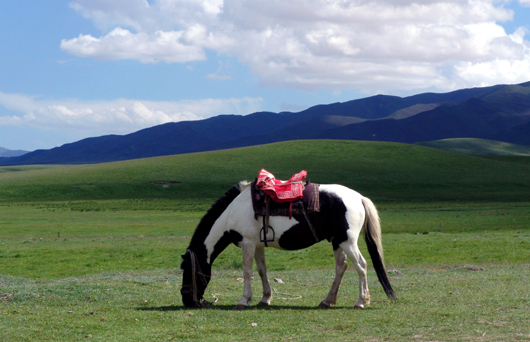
(92, 252)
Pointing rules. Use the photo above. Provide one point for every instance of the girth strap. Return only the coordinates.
(310, 225)
(266, 226)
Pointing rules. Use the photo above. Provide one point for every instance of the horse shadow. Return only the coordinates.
(231, 308)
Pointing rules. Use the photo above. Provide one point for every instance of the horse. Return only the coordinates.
(231, 220)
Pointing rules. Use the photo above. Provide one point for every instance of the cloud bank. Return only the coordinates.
(319, 44)
(119, 116)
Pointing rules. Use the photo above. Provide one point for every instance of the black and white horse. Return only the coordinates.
(343, 214)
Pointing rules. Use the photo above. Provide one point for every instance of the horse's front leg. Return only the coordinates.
(262, 270)
(248, 248)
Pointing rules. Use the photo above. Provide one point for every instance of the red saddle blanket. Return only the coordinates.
(281, 191)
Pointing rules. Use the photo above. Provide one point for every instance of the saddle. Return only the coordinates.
(281, 191)
(295, 197)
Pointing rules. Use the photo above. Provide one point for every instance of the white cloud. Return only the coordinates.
(141, 15)
(106, 14)
(122, 44)
(17, 102)
(496, 72)
(119, 116)
(11, 120)
(219, 77)
(317, 44)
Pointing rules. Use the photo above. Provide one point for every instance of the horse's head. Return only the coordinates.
(195, 279)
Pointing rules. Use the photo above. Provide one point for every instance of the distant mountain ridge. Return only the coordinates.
(4, 152)
(500, 112)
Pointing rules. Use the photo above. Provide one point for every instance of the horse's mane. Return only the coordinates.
(207, 221)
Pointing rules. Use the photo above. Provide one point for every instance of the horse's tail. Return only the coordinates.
(372, 236)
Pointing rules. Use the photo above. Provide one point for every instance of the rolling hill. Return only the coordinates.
(475, 146)
(499, 112)
(385, 172)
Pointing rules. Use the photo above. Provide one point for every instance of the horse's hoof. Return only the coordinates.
(240, 307)
(359, 307)
(263, 304)
(323, 305)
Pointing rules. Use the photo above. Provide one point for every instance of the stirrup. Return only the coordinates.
(263, 234)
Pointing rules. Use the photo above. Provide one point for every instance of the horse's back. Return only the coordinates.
(351, 199)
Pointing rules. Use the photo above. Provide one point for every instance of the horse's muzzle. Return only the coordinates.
(187, 298)
(189, 303)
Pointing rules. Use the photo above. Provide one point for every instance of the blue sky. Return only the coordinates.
(81, 68)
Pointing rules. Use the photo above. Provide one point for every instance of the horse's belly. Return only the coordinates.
(299, 236)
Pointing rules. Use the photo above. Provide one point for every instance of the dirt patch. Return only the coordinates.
(6, 297)
(165, 184)
(472, 268)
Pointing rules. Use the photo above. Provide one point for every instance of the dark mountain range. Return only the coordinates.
(499, 112)
(519, 135)
(471, 119)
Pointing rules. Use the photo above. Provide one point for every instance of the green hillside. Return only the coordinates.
(510, 159)
(385, 172)
(479, 147)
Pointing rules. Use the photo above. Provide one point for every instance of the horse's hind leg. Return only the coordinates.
(262, 270)
(354, 254)
(341, 264)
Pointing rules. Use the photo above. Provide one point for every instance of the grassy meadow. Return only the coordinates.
(92, 252)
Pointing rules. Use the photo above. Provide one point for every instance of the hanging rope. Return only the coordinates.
(195, 271)
(290, 296)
